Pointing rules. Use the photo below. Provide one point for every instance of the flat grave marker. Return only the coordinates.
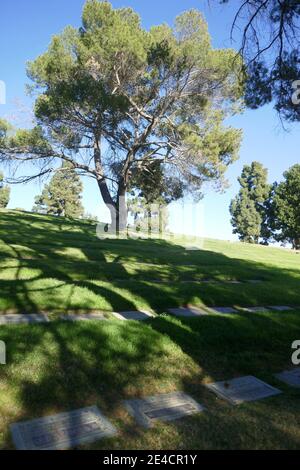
(224, 310)
(82, 317)
(133, 315)
(290, 377)
(280, 308)
(198, 280)
(165, 407)
(208, 281)
(242, 389)
(187, 312)
(149, 280)
(204, 281)
(255, 309)
(233, 281)
(62, 431)
(16, 319)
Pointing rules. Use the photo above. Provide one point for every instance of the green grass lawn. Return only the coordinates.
(50, 264)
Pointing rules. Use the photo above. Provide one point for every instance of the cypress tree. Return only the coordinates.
(248, 208)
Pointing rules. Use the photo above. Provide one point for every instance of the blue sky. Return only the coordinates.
(26, 28)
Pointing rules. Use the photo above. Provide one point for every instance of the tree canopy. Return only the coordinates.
(154, 186)
(270, 47)
(152, 189)
(112, 96)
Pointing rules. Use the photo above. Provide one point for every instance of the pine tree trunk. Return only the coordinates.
(121, 212)
(107, 199)
(149, 213)
(118, 209)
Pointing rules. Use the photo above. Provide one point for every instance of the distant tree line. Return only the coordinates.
(264, 213)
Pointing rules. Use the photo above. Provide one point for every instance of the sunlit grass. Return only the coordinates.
(50, 264)
(64, 366)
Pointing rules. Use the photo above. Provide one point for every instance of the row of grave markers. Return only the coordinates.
(195, 280)
(137, 315)
(86, 425)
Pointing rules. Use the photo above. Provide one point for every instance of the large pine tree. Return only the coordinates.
(248, 207)
(161, 93)
(62, 196)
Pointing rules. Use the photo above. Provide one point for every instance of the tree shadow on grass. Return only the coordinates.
(80, 265)
(227, 345)
(230, 346)
(64, 366)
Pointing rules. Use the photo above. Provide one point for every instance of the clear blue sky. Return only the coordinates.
(26, 28)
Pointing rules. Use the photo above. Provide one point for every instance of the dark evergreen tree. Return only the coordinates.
(4, 193)
(285, 208)
(248, 208)
(62, 196)
(149, 186)
(153, 185)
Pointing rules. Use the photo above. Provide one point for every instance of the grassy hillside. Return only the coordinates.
(53, 264)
